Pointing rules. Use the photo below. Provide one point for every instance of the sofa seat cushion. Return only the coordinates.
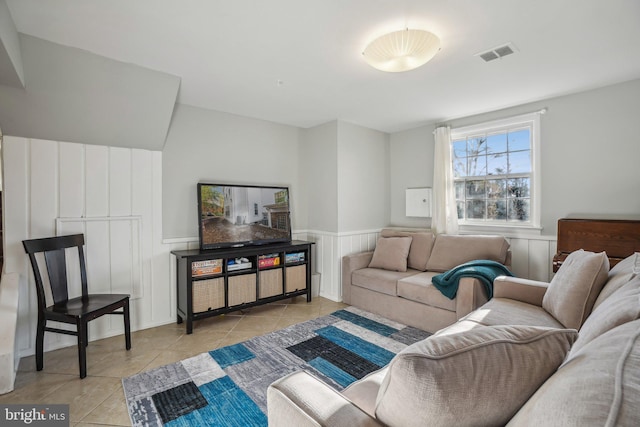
(420, 289)
(481, 376)
(383, 281)
(450, 251)
(504, 311)
(599, 385)
(575, 287)
(459, 327)
(621, 307)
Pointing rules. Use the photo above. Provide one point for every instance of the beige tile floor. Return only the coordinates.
(98, 399)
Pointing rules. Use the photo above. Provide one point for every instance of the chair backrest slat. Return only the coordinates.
(57, 269)
(55, 260)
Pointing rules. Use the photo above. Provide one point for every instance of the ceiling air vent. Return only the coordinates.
(497, 52)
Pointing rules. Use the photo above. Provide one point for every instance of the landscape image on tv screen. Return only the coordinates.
(236, 215)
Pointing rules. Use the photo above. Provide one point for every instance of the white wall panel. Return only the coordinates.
(62, 188)
(519, 256)
(15, 170)
(163, 293)
(123, 262)
(540, 260)
(98, 253)
(119, 181)
(71, 179)
(96, 180)
(142, 205)
(43, 189)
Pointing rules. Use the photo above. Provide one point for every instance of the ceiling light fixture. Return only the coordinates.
(402, 50)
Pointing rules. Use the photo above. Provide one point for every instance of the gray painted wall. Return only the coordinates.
(411, 166)
(75, 96)
(363, 178)
(11, 70)
(589, 154)
(210, 146)
(319, 175)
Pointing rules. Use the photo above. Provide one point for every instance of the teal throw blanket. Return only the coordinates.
(484, 270)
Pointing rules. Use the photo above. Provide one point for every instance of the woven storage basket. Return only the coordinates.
(270, 283)
(208, 294)
(242, 289)
(296, 278)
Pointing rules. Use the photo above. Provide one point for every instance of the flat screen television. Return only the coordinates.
(241, 215)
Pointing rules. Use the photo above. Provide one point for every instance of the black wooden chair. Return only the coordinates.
(78, 311)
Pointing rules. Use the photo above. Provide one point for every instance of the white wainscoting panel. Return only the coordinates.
(531, 257)
(329, 250)
(113, 196)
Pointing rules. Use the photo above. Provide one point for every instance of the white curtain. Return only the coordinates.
(445, 214)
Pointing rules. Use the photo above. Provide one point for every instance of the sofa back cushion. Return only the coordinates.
(391, 253)
(483, 375)
(596, 386)
(575, 287)
(621, 307)
(421, 244)
(620, 274)
(451, 250)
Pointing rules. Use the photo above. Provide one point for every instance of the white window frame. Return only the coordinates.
(531, 120)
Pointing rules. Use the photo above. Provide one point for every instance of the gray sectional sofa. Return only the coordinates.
(564, 353)
(395, 279)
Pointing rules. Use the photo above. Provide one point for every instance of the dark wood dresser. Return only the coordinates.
(619, 238)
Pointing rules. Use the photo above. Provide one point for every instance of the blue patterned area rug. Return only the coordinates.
(228, 386)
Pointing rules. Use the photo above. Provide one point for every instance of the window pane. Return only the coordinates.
(476, 146)
(519, 187)
(497, 164)
(475, 189)
(496, 188)
(497, 143)
(497, 209)
(493, 171)
(459, 167)
(520, 140)
(475, 209)
(459, 189)
(477, 165)
(460, 207)
(520, 162)
(519, 209)
(459, 148)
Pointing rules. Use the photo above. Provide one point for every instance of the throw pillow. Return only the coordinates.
(575, 287)
(421, 244)
(391, 253)
(480, 376)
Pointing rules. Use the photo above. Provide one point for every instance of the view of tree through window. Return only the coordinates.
(492, 175)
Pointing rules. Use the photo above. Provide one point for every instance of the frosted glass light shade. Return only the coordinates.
(402, 50)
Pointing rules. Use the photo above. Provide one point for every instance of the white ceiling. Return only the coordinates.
(231, 54)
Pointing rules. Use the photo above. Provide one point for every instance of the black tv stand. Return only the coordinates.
(218, 281)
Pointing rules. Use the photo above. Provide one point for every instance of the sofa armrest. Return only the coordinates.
(524, 290)
(351, 263)
(300, 400)
(471, 295)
